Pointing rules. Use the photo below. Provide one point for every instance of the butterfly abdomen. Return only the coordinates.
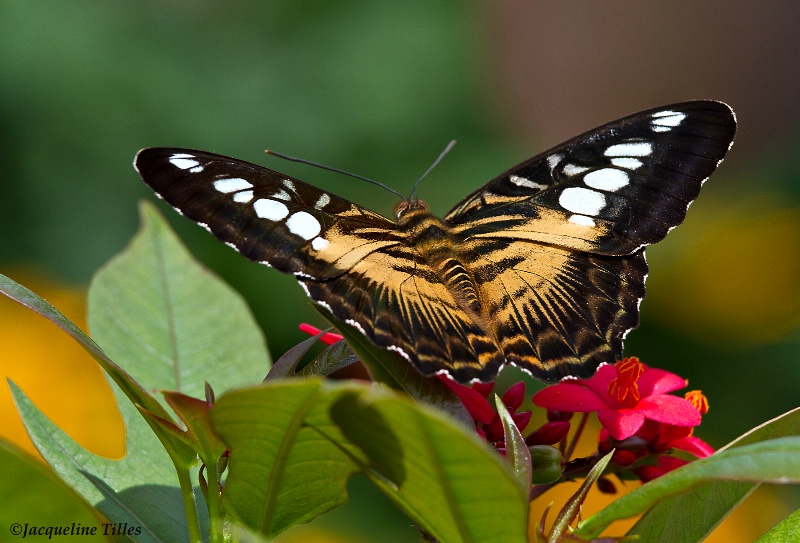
(438, 246)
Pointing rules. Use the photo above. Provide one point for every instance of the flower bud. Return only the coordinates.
(547, 464)
(514, 396)
(549, 434)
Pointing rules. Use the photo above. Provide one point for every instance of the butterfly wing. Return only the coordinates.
(611, 190)
(557, 242)
(267, 216)
(354, 262)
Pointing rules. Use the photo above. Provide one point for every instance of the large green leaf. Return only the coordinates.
(171, 325)
(26, 484)
(139, 489)
(774, 461)
(288, 462)
(710, 502)
(440, 474)
(173, 322)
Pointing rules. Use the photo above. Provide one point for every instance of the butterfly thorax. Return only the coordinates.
(439, 247)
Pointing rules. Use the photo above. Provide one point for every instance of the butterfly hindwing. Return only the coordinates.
(543, 267)
(558, 312)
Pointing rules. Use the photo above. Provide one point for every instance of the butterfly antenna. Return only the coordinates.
(332, 169)
(432, 166)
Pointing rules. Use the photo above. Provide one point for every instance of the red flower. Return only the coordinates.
(624, 396)
(487, 422)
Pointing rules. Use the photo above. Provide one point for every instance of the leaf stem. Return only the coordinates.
(189, 505)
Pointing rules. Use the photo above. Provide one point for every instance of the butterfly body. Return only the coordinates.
(543, 267)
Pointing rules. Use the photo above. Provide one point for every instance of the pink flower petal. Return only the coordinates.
(477, 406)
(669, 409)
(568, 397)
(622, 423)
(694, 445)
(600, 381)
(656, 381)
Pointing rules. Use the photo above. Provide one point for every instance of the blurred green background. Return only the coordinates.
(379, 89)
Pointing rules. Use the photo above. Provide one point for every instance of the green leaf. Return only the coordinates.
(573, 506)
(389, 368)
(105, 483)
(173, 322)
(774, 461)
(787, 531)
(286, 365)
(712, 501)
(440, 474)
(195, 414)
(171, 325)
(517, 453)
(334, 358)
(288, 462)
(140, 489)
(26, 484)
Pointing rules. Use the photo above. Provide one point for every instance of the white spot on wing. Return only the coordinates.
(553, 160)
(243, 197)
(527, 183)
(664, 121)
(606, 179)
(304, 225)
(582, 201)
(582, 220)
(183, 161)
(641, 148)
(232, 184)
(324, 200)
(289, 185)
(270, 209)
(573, 169)
(319, 243)
(627, 163)
(282, 195)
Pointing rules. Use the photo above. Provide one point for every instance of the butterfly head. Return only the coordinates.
(407, 208)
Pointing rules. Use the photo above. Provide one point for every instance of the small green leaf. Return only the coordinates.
(440, 474)
(573, 506)
(517, 452)
(334, 358)
(286, 365)
(787, 531)
(33, 496)
(712, 501)
(196, 415)
(288, 462)
(775, 461)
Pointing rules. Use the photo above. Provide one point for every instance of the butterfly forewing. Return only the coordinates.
(611, 190)
(543, 267)
(267, 216)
